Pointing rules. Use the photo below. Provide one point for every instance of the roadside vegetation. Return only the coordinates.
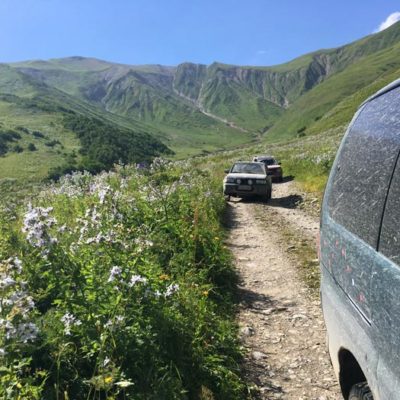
(119, 286)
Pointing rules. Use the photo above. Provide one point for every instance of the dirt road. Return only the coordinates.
(280, 319)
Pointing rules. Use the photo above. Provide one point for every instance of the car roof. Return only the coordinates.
(247, 162)
(384, 90)
(265, 157)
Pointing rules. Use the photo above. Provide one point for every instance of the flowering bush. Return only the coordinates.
(118, 286)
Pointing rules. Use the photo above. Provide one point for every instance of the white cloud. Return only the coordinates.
(389, 21)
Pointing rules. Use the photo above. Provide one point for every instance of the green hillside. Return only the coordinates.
(36, 134)
(132, 113)
(334, 101)
(138, 94)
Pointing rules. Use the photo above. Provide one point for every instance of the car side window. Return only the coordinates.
(389, 243)
(358, 186)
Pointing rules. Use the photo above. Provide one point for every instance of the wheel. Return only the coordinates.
(360, 391)
(267, 197)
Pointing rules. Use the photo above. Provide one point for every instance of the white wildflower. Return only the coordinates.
(171, 289)
(36, 224)
(119, 319)
(7, 282)
(17, 264)
(69, 320)
(27, 332)
(114, 273)
(137, 279)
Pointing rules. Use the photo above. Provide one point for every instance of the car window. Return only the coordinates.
(389, 243)
(359, 183)
(248, 169)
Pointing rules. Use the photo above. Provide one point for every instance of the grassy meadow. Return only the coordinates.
(119, 286)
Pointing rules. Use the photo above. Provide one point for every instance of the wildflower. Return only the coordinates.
(17, 264)
(171, 289)
(119, 318)
(114, 273)
(124, 183)
(62, 229)
(7, 282)
(37, 221)
(27, 332)
(143, 243)
(69, 320)
(137, 279)
(124, 384)
(108, 324)
(9, 328)
(2, 352)
(106, 361)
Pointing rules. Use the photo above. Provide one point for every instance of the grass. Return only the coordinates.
(304, 253)
(34, 165)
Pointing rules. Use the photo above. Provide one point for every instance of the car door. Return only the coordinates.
(355, 198)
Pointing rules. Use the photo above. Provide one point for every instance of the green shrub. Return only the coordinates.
(18, 149)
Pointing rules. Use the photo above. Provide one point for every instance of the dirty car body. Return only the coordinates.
(360, 252)
(274, 168)
(248, 179)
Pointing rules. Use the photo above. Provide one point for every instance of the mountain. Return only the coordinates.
(138, 112)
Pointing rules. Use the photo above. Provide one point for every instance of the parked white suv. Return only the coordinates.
(247, 179)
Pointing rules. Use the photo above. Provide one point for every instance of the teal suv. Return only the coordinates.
(360, 252)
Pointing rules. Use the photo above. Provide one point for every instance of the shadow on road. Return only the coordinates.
(285, 179)
(291, 201)
(229, 219)
(261, 303)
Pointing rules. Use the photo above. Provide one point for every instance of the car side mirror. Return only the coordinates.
(226, 171)
(279, 163)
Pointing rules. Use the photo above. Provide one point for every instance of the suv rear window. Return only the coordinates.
(364, 167)
(389, 243)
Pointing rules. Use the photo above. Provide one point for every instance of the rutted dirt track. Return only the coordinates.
(281, 321)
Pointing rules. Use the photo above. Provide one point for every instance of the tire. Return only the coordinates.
(360, 391)
(267, 197)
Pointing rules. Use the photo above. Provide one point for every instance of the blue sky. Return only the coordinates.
(251, 32)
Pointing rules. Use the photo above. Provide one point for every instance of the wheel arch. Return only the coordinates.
(350, 371)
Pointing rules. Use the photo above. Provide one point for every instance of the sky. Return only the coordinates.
(168, 32)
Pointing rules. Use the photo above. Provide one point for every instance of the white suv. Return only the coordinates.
(247, 179)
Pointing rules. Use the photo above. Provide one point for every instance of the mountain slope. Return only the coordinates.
(312, 110)
(191, 99)
(142, 94)
(38, 118)
(139, 111)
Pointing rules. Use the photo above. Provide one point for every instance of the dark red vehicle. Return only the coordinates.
(274, 168)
